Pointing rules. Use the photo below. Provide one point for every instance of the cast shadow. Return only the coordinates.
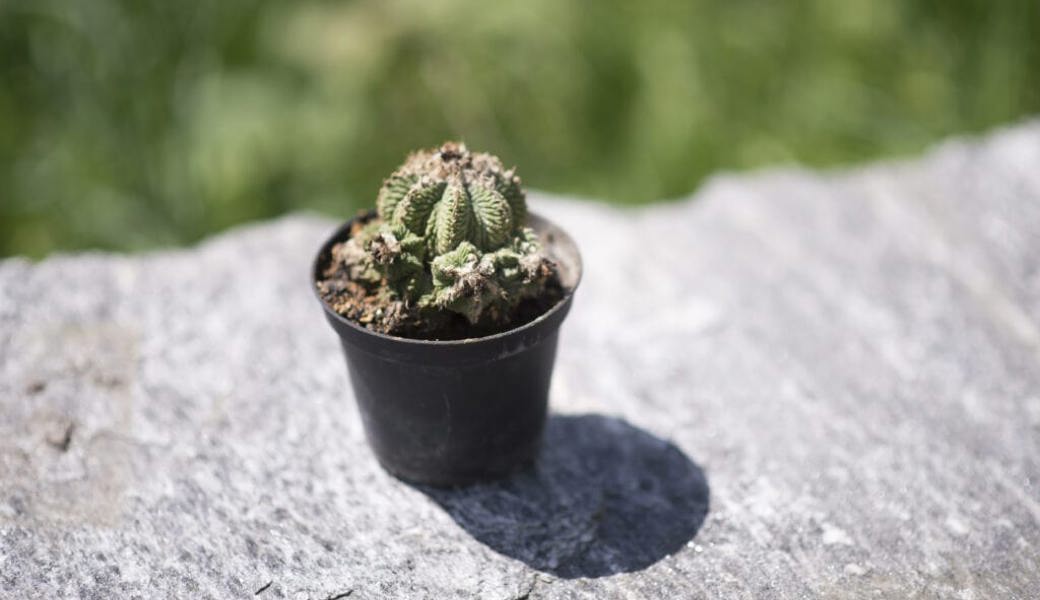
(604, 498)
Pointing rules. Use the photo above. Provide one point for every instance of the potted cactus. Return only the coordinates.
(447, 300)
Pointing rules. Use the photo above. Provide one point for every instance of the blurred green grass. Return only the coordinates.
(130, 124)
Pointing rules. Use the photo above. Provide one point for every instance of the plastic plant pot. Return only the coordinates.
(449, 413)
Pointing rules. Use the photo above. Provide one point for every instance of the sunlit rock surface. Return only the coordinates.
(794, 384)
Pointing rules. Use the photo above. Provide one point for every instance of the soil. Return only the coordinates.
(376, 310)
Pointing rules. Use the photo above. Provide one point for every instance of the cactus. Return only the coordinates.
(450, 196)
(450, 238)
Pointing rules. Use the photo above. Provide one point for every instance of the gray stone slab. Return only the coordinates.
(792, 385)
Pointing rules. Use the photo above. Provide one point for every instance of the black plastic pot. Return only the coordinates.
(455, 412)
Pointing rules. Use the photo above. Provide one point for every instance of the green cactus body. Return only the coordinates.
(451, 237)
(449, 196)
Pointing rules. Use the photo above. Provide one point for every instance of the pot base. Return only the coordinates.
(448, 425)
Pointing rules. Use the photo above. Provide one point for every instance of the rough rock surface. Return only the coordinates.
(793, 385)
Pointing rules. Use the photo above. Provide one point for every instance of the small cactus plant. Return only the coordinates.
(450, 238)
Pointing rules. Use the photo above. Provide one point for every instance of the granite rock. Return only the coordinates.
(791, 385)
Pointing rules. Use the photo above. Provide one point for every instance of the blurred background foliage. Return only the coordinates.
(127, 124)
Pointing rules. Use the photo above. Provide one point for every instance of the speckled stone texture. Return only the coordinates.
(793, 385)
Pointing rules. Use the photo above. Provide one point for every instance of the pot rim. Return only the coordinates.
(533, 219)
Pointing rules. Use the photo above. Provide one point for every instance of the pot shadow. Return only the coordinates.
(604, 498)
